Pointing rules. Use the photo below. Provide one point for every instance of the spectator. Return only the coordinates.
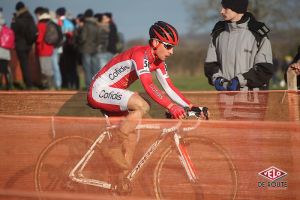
(25, 36)
(55, 58)
(67, 63)
(79, 21)
(113, 35)
(296, 62)
(4, 59)
(295, 65)
(239, 56)
(89, 42)
(103, 24)
(43, 50)
(66, 24)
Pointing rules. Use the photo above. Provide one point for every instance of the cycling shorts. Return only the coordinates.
(109, 98)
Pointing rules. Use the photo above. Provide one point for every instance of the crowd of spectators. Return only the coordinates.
(89, 40)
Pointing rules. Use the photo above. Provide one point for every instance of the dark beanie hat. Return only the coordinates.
(238, 6)
(20, 5)
(108, 14)
(89, 13)
(61, 11)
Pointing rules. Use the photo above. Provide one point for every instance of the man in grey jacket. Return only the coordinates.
(239, 56)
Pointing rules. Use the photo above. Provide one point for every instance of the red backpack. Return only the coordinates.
(7, 38)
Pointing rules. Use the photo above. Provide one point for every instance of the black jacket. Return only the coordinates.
(25, 30)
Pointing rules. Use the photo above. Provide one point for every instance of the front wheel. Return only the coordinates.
(216, 173)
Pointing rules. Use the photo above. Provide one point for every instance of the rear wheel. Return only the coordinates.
(217, 175)
(60, 157)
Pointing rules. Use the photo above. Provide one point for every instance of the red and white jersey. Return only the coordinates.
(138, 63)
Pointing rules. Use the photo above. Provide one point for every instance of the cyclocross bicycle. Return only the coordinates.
(189, 167)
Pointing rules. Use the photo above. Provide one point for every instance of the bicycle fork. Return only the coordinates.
(185, 158)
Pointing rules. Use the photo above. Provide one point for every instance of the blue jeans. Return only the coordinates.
(90, 64)
(56, 69)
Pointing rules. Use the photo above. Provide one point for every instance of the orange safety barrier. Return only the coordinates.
(252, 147)
(260, 134)
(254, 106)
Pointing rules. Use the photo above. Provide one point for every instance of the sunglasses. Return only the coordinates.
(167, 46)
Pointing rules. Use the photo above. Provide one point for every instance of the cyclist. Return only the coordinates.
(108, 90)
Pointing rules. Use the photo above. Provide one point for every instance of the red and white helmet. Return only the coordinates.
(164, 32)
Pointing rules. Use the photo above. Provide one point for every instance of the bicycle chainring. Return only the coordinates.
(124, 187)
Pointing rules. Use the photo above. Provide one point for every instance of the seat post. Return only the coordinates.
(108, 124)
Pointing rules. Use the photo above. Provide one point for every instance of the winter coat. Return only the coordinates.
(20, 26)
(103, 38)
(42, 48)
(236, 52)
(4, 53)
(89, 37)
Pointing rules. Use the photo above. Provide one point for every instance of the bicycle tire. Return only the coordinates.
(57, 160)
(210, 160)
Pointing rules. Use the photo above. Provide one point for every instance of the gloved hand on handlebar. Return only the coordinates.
(201, 111)
(177, 112)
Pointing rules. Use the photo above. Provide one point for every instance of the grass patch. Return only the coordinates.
(182, 82)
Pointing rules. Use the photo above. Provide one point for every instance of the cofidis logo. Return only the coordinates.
(275, 178)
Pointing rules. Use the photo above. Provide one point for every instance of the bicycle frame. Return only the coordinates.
(76, 173)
